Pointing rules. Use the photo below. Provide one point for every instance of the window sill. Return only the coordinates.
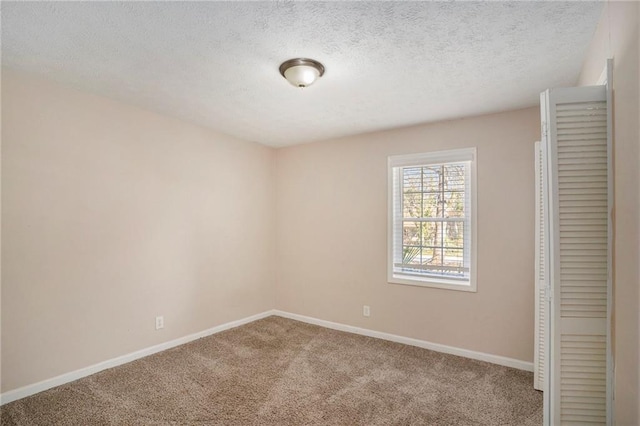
(433, 283)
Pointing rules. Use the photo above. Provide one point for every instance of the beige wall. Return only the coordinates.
(112, 215)
(332, 228)
(617, 37)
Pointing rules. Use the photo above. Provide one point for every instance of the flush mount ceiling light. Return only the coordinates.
(301, 72)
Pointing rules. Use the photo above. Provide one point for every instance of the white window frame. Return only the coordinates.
(394, 196)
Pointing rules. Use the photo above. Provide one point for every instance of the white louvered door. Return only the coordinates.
(541, 269)
(577, 139)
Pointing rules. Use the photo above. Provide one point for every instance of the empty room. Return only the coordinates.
(320, 213)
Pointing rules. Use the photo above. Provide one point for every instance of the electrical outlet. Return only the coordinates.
(366, 311)
(159, 322)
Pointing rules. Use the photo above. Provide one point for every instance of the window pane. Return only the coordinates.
(411, 234)
(431, 233)
(431, 178)
(454, 177)
(430, 256)
(412, 204)
(433, 257)
(454, 235)
(411, 255)
(430, 204)
(454, 204)
(412, 180)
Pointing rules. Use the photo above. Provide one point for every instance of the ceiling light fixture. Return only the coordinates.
(301, 72)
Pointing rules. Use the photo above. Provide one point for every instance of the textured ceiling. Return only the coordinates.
(388, 64)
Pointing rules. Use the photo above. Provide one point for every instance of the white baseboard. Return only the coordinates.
(481, 356)
(29, 390)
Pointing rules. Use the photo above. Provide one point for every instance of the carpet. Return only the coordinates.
(277, 371)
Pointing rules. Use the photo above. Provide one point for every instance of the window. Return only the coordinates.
(432, 219)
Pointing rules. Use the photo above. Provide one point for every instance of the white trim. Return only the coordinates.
(481, 356)
(395, 162)
(611, 419)
(437, 157)
(430, 282)
(35, 388)
(29, 390)
(547, 402)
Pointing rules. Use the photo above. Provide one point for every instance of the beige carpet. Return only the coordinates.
(282, 372)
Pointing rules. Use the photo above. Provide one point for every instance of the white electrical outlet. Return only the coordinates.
(159, 322)
(366, 311)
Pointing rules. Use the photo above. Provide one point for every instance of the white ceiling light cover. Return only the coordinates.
(301, 72)
(301, 75)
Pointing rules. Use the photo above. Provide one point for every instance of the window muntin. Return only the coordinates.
(431, 229)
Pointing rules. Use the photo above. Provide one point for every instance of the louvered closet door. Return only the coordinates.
(541, 270)
(577, 135)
